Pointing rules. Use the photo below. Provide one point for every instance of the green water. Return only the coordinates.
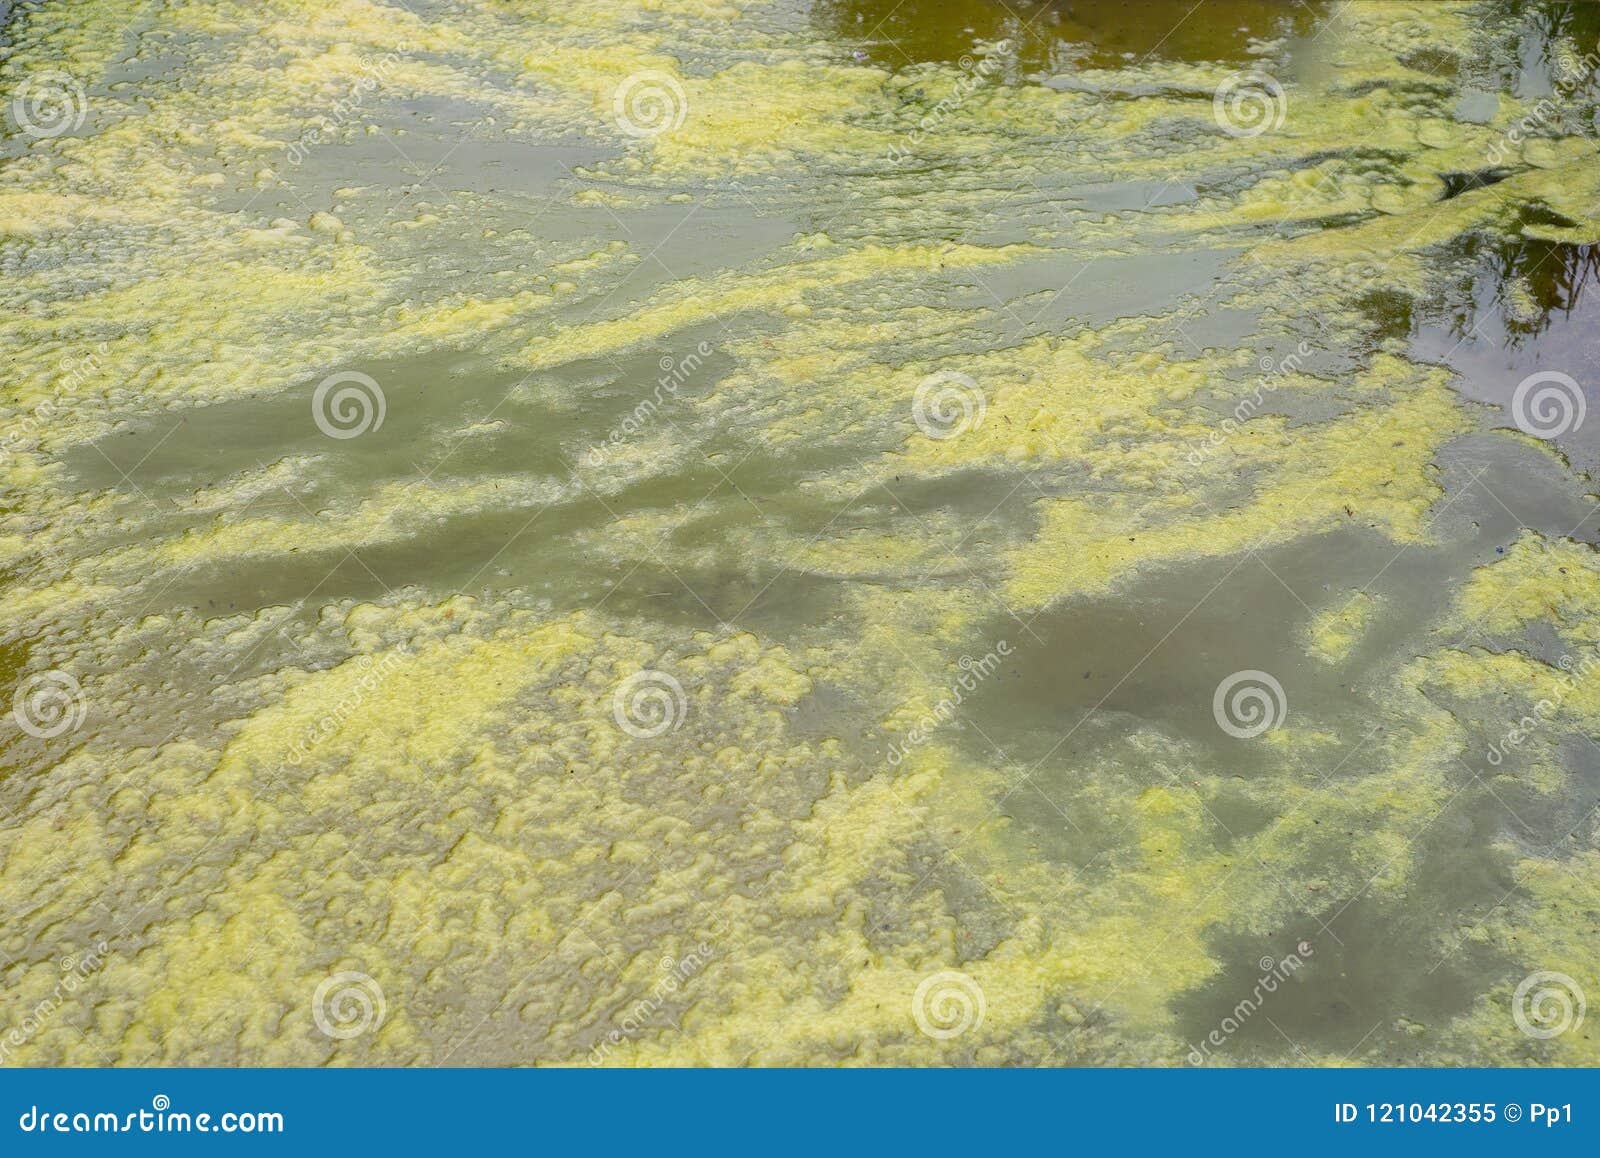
(352, 707)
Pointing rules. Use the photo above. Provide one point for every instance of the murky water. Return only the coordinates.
(803, 533)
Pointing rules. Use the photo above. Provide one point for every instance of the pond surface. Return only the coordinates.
(799, 533)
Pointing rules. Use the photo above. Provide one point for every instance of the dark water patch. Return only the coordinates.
(420, 396)
(1056, 34)
(1377, 974)
(1062, 292)
(1455, 184)
(1384, 973)
(1524, 307)
(1392, 313)
(1153, 654)
(1524, 287)
(1093, 682)
(1527, 58)
(1440, 62)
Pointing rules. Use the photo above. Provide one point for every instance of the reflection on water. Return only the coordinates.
(1058, 34)
(1534, 57)
(1519, 306)
(1526, 286)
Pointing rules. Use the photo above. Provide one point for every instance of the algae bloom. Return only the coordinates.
(799, 532)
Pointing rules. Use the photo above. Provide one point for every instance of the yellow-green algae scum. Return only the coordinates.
(349, 705)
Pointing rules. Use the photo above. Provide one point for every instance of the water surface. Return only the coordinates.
(696, 534)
